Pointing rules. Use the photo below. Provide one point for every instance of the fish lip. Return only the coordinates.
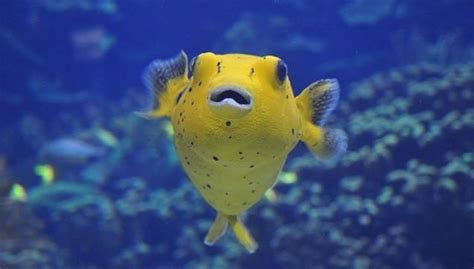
(238, 98)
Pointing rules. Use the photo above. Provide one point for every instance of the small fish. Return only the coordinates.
(288, 177)
(235, 120)
(106, 137)
(70, 151)
(18, 193)
(46, 173)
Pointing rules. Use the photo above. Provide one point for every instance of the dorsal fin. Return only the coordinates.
(319, 99)
(166, 79)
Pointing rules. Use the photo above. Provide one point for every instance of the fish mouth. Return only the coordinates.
(232, 97)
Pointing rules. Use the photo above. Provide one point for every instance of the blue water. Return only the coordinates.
(402, 196)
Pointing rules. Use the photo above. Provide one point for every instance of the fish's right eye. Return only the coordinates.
(281, 71)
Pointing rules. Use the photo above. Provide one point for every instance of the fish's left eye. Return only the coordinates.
(281, 71)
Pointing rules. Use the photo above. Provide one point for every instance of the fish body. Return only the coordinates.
(236, 157)
(235, 119)
(70, 151)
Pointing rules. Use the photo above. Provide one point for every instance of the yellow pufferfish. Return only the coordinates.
(235, 120)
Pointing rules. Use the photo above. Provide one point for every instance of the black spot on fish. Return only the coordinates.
(242, 157)
(228, 123)
(192, 103)
(208, 175)
(184, 101)
(253, 191)
(252, 71)
(258, 152)
(230, 137)
(252, 166)
(209, 186)
(215, 158)
(293, 131)
(287, 96)
(244, 203)
(250, 182)
(240, 152)
(200, 83)
(188, 162)
(226, 193)
(192, 143)
(218, 67)
(190, 89)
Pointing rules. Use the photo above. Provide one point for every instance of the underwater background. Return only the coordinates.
(86, 183)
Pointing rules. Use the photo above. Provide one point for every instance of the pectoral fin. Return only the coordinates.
(166, 80)
(318, 100)
(326, 144)
(316, 103)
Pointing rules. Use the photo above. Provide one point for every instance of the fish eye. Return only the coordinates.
(281, 71)
(191, 65)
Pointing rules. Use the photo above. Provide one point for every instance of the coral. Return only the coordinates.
(352, 183)
(404, 186)
(366, 11)
(104, 6)
(249, 27)
(8, 37)
(322, 245)
(167, 210)
(424, 111)
(73, 210)
(49, 91)
(22, 245)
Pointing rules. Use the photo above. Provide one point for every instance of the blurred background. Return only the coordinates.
(85, 183)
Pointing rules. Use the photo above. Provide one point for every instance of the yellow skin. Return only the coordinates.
(233, 154)
(232, 162)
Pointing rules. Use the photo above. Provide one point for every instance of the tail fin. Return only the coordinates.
(166, 80)
(242, 234)
(316, 103)
(217, 229)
